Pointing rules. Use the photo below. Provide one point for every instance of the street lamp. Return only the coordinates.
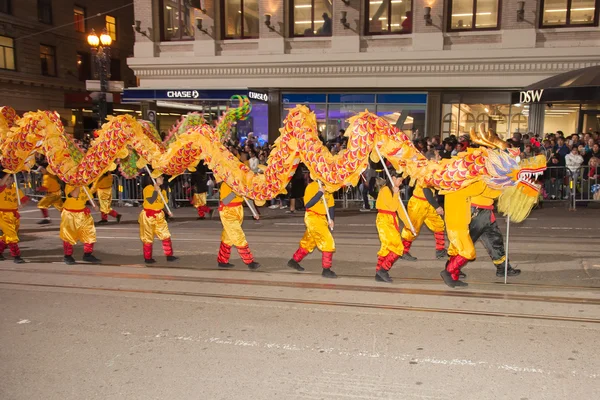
(100, 47)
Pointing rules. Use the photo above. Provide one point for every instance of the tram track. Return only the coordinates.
(319, 286)
(312, 302)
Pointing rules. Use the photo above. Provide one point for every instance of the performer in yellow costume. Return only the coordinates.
(77, 224)
(231, 212)
(388, 210)
(318, 229)
(424, 208)
(152, 220)
(458, 218)
(484, 227)
(199, 190)
(104, 188)
(10, 220)
(53, 197)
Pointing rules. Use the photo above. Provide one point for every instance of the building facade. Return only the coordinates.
(45, 59)
(444, 65)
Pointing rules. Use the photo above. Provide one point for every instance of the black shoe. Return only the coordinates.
(89, 257)
(45, 221)
(226, 265)
(511, 271)
(200, 218)
(383, 276)
(253, 266)
(328, 273)
(441, 254)
(462, 275)
(451, 282)
(69, 260)
(19, 260)
(2, 257)
(102, 222)
(172, 258)
(118, 217)
(408, 257)
(294, 264)
(149, 260)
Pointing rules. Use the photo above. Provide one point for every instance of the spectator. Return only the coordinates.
(253, 162)
(573, 161)
(561, 148)
(447, 152)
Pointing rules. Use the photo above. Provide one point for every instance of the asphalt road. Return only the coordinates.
(189, 331)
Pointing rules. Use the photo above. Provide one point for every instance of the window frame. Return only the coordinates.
(367, 20)
(568, 17)
(83, 9)
(473, 28)
(14, 44)
(54, 55)
(106, 24)
(48, 4)
(161, 15)
(224, 27)
(8, 8)
(312, 18)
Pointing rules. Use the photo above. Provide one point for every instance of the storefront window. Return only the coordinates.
(320, 111)
(389, 16)
(241, 19)
(492, 116)
(412, 117)
(312, 17)
(563, 13)
(559, 117)
(467, 15)
(176, 20)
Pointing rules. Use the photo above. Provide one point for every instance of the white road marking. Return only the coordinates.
(24, 321)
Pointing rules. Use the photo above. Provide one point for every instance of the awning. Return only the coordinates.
(580, 85)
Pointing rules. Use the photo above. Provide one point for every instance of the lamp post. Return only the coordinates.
(100, 47)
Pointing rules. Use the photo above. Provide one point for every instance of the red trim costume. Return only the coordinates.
(77, 224)
(53, 197)
(104, 188)
(199, 190)
(153, 223)
(10, 220)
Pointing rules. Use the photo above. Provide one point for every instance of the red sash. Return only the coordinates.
(152, 213)
(420, 198)
(221, 205)
(492, 215)
(395, 217)
(15, 212)
(85, 210)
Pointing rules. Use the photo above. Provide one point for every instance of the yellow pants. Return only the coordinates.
(151, 226)
(9, 224)
(105, 200)
(199, 200)
(317, 234)
(51, 199)
(419, 212)
(461, 244)
(232, 219)
(77, 226)
(387, 228)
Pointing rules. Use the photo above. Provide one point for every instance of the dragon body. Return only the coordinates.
(134, 144)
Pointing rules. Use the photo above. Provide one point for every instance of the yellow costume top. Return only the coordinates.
(486, 200)
(8, 199)
(311, 191)
(105, 182)
(390, 203)
(50, 182)
(225, 191)
(75, 203)
(458, 204)
(158, 204)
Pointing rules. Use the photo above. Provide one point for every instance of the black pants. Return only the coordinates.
(482, 228)
(371, 190)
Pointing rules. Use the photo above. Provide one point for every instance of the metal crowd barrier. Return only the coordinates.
(559, 185)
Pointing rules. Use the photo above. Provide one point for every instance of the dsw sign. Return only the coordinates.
(530, 96)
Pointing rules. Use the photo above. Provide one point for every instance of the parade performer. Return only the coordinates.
(53, 197)
(199, 190)
(318, 229)
(10, 220)
(104, 187)
(77, 224)
(388, 211)
(484, 227)
(152, 220)
(231, 212)
(424, 208)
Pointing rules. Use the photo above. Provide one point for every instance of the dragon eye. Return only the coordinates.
(518, 159)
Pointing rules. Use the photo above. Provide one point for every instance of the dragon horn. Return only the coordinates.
(487, 139)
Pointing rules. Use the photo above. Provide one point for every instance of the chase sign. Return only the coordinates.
(252, 95)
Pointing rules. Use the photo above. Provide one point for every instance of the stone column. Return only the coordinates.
(275, 117)
(204, 42)
(272, 39)
(346, 40)
(535, 121)
(433, 114)
(428, 37)
(145, 11)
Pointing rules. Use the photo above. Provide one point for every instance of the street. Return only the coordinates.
(187, 330)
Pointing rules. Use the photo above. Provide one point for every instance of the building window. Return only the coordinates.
(7, 53)
(562, 13)
(48, 60)
(470, 15)
(176, 20)
(79, 15)
(5, 7)
(84, 66)
(241, 19)
(312, 18)
(45, 11)
(389, 16)
(111, 27)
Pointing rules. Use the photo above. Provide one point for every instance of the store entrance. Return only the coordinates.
(589, 121)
